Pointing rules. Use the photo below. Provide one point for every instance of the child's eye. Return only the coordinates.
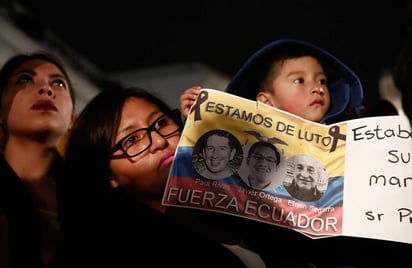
(298, 81)
(323, 81)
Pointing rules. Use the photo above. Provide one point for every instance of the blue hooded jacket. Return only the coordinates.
(344, 85)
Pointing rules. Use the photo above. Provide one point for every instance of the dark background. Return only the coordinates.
(116, 36)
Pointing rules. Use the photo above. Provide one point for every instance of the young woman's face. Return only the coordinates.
(297, 88)
(36, 102)
(148, 171)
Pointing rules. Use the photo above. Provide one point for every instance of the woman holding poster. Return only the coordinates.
(119, 155)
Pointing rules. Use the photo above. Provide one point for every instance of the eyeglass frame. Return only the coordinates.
(259, 157)
(173, 114)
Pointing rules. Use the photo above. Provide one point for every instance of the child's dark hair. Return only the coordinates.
(266, 71)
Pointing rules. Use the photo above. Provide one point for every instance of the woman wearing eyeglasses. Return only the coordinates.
(118, 158)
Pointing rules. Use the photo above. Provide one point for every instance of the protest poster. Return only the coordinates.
(250, 160)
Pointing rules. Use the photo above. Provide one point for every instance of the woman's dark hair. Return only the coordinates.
(15, 62)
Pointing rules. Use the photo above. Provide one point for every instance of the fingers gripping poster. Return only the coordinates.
(250, 160)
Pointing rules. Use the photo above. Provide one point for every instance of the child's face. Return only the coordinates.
(296, 88)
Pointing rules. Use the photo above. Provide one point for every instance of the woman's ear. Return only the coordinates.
(265, 97)
(113, 182)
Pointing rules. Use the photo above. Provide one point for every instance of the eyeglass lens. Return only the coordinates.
(139, 140)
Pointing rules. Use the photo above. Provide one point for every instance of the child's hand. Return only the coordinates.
(187, 99)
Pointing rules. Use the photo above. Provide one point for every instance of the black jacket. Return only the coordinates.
(123, 232)
(25, 240)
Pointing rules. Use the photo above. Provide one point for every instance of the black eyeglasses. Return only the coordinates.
(139, 140)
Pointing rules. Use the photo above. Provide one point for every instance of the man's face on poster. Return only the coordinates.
(262, 163)
(306, 173)
(218, 153)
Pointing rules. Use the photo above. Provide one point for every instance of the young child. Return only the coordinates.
(303, 79)
(297, 77)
